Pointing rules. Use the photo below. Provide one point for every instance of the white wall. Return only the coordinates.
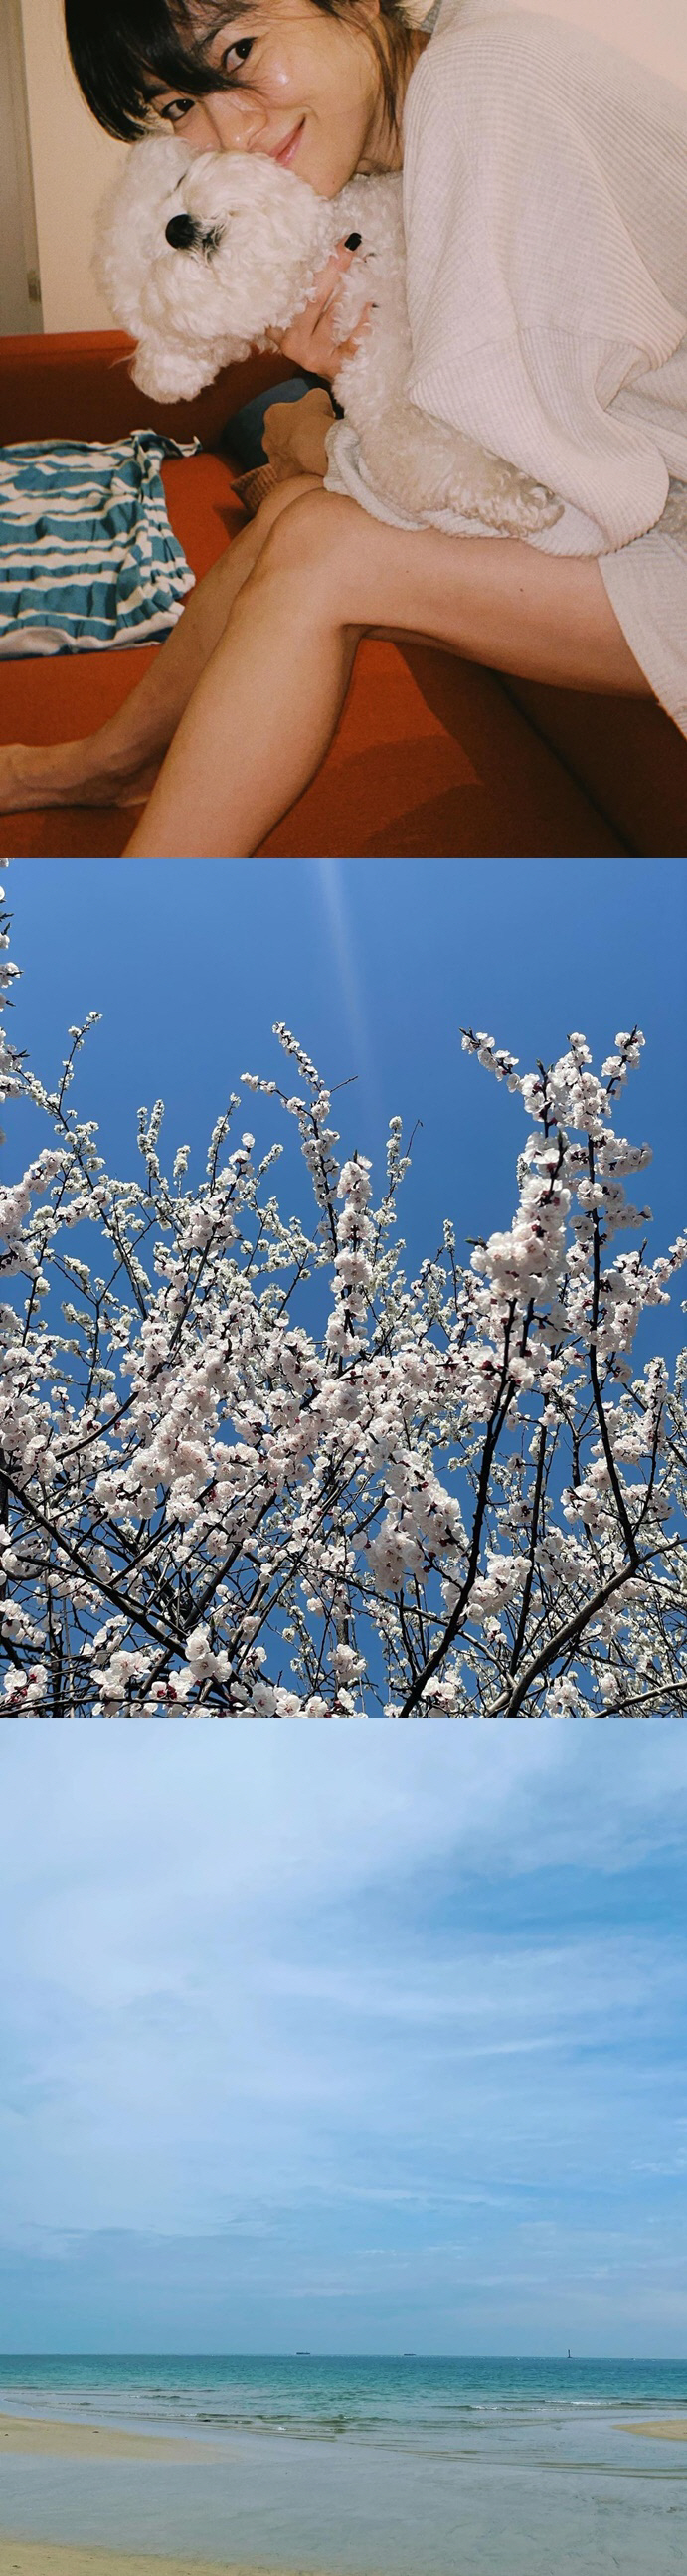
(72, 163)
(18, 251)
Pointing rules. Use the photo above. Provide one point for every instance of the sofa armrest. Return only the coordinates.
(76, 384)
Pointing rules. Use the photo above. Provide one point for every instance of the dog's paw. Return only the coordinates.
(534, 506)
(511, 502)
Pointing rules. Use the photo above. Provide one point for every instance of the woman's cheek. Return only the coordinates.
(280, 81)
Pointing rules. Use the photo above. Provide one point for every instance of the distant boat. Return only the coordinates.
(304, 2356)
(409, 2356)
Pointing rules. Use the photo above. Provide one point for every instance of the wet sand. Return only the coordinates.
(99, 2442)
(670, 2432)
(95, 2442)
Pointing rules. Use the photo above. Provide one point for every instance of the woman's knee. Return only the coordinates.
(315, 542)
(281, 499)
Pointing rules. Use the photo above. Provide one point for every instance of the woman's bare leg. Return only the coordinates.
(264, 712)
(118, 764)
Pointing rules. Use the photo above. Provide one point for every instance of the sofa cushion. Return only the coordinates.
(629, 756)
(426, 763)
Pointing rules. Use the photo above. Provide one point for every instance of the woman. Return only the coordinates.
(545, 196)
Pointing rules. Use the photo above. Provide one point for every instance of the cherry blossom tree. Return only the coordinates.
(249, 1470)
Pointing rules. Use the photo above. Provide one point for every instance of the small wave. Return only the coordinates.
(204, 2416)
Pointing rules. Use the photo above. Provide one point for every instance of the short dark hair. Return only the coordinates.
(122, 49)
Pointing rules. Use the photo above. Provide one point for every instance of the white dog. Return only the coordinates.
(204, 259)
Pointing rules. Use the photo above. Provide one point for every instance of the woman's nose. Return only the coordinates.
(231, 121)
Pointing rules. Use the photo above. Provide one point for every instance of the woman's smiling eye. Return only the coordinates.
(175, 108)
(240, 49)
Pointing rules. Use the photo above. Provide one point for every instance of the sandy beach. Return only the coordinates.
(95, 2442)
(48, 2558)
(671, 2432)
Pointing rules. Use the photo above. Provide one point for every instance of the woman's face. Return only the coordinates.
(305, 88)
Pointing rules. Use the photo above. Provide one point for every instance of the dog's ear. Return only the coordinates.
(169, 375)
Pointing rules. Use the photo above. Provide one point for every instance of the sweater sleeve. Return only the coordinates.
(531, 307)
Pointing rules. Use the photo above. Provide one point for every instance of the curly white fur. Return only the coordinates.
(256, 236)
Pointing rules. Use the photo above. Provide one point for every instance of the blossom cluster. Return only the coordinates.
(250, 1470)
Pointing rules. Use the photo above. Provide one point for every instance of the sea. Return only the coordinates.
(362, 2467)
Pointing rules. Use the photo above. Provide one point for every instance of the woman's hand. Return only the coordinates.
(294, 434)
(313, 341)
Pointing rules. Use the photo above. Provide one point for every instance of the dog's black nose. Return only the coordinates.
(182, 232)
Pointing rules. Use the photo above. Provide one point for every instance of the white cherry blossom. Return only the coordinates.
(253, 1470)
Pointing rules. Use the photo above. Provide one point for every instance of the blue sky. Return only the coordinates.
(360, 2039)
(375, 964)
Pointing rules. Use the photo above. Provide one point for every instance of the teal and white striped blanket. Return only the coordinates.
(87, 555)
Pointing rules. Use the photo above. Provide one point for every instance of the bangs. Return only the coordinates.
(123, 50)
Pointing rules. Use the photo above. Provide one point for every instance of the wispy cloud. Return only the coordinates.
(333, 875)
(377, 2020)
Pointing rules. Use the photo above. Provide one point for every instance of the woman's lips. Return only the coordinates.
(286, 151)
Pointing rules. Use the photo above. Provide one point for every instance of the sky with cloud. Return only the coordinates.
(355, 2038)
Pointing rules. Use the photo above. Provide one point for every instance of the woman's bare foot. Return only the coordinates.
(66, 773)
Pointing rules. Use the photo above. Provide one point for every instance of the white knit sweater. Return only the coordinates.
(545, 204)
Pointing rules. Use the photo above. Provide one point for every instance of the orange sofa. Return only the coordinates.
(433, 757)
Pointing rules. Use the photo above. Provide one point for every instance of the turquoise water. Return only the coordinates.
(383, 2400)
(405, 2467)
